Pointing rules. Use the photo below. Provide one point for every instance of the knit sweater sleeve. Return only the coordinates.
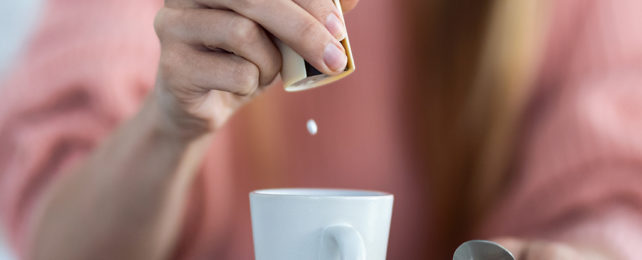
(580, 167)
(86, 68)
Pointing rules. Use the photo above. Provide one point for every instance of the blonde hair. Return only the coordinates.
(473, 63)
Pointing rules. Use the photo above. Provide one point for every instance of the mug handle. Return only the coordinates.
(346, 239)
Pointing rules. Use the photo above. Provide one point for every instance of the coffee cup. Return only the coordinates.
(320, 224)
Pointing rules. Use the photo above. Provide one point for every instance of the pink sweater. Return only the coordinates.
(90, 63)
(580, 174)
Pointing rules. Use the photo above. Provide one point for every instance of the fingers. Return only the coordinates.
(327, 13)
(549, 250)
(512, 244)
(526, 249)
(296, 27)
(204, 71)
(211, 30)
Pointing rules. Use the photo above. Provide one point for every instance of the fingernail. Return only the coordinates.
(334, 57)
(335, 26)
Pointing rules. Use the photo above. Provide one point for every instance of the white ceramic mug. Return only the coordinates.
(320, 224)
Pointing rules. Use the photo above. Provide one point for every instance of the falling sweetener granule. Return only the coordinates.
(312, 127)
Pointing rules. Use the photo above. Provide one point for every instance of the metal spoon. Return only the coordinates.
(482, 250)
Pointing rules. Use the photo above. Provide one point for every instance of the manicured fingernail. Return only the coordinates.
(334, 57)
(335, 26)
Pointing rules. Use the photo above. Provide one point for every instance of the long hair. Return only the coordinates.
(472, 63)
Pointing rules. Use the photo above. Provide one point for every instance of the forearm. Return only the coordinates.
(125, 201)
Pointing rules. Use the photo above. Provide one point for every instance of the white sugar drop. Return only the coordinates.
(312, 127)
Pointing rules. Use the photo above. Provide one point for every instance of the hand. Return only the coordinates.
(534, 249)
(218, 54)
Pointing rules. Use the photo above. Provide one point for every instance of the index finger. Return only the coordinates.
(297, 28)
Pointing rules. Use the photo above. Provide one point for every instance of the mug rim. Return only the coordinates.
(320, 193)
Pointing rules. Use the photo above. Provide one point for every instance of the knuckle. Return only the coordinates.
(320, 9)
(244, 30)
(159, 23)
(163, 22)
(308, 28)
(246, 78)
(271, 70)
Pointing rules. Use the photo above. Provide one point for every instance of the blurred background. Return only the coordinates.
(16, 22)
(477, 115)
(17, 19)
(4, 250)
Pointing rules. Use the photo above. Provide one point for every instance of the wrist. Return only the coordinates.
(170, 122)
